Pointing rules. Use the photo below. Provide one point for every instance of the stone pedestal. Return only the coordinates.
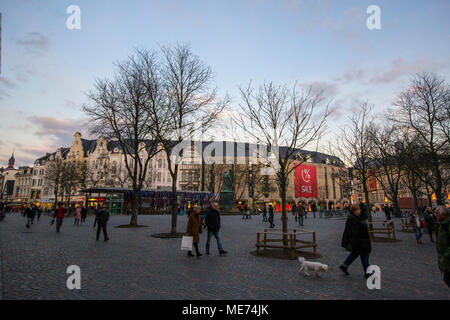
(226, 201)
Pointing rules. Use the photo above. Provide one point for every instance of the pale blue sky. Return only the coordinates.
(46, 67)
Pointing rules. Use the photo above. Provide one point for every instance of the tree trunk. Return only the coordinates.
(368, 208)
(135, 207)
(173, 229)
(283, 214)
(397, 211)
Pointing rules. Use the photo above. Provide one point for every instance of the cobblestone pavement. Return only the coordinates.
(134, 265)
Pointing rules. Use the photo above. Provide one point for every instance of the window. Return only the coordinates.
(159, 176)
(326, 182)
(160, 163)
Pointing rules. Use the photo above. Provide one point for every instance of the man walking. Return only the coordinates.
(271, 216)
(294, 211)
(39, 213)
(83, 214)
(102, 216)
(314, 209)
(301, 214)
(60, 213)
(212, 221)
(28, 212)
(387, 212)
(443, 242)
(34, 210)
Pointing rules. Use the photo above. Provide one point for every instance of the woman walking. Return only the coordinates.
(418, 225)
(194, 228)
(356, 240)
(77, 216)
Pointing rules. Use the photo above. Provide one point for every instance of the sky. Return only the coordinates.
(47, 69)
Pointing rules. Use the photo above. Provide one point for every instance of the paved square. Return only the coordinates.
(134, 265)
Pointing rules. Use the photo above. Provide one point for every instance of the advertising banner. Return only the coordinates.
(305, 181)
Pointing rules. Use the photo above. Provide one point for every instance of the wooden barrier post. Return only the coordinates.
(265, 238)
(314, 243)
(257, 244)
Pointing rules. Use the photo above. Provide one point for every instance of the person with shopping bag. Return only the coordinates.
(194, 228)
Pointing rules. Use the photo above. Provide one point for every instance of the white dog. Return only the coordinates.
(314, 266)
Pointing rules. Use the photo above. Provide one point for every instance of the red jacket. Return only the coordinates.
(60, 212)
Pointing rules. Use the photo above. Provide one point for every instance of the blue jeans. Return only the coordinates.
(419, 233)
(300, 220)
(352, 257)
(217, 236)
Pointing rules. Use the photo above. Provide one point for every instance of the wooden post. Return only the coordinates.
(265, 239)
(393, 229)
(291, 250)
(314, 242)
(257, 244)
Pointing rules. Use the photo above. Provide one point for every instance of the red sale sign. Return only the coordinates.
(305, 181)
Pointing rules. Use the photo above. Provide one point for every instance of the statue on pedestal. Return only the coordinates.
(226, 200)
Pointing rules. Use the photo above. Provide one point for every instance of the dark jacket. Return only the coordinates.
(301, 210)
(363, 209)
(102, 216)
(212, 220)
(356, 236)
(443, 245)
(430, 221)
(194, 227)
(83, 212)
(294, 209)
(28, 212)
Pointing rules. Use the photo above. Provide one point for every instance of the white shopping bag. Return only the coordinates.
(186, 243)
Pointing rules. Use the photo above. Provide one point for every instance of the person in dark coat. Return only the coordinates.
(102, 217)
(194, 228)
(363, 209)
(294, 211)
(430, 222)
(301, 214)
(212, 221)
(356, 240)
(314, 209)
(387, 212)
(29, 215)
(271, 216)
(83, 214)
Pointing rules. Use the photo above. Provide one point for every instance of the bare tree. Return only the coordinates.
(54, 175)
(120, 110)
(387, 163)
(69, 180)
(192, 107)
(285, 120)
(355, 148)
(424, 108)
(415, 169)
